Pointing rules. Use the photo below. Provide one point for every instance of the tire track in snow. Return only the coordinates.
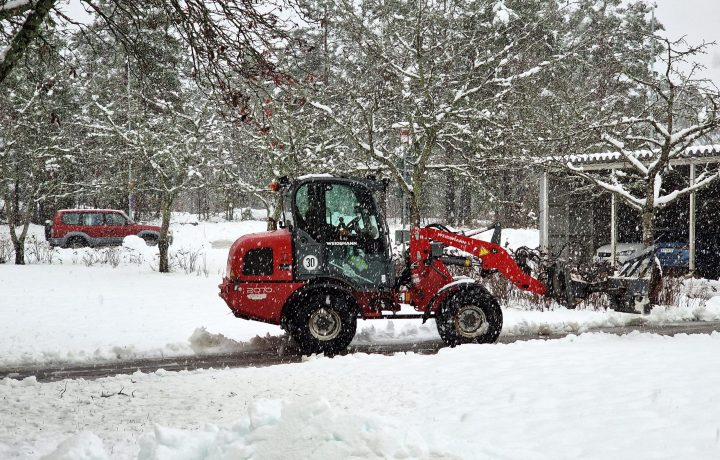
(277, 353)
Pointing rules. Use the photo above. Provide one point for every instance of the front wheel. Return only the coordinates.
(471, 315)
(322, 322)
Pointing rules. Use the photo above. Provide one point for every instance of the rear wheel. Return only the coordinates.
(150, 240)
(322, 322)
(76, 242)
(471, 315)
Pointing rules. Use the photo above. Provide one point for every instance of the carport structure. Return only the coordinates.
(576, 217)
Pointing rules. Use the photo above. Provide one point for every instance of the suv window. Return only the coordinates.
(70, 218)
(114, 218)
(92, 218)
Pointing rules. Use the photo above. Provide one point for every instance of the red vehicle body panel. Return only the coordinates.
(429, 279)
(260, 297)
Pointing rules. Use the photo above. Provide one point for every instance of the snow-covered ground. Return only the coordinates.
(593, 396)
(588, 396)
(68, 311)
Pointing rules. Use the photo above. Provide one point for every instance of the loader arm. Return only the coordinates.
(492, 256)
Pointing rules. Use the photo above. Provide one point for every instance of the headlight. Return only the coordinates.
(629, 252)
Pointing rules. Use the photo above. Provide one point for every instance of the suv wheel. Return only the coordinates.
(150, 240)
(76, 242)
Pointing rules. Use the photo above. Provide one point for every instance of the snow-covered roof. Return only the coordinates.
(695, 151)
(314, 176)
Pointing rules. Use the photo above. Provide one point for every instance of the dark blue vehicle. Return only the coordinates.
(673, 254)
(671, 249)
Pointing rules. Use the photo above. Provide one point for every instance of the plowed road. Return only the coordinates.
(275, 354)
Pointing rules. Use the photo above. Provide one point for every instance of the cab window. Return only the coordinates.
(310, 211)
(338, 212)
(346, 209)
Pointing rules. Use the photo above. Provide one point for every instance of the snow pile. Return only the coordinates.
(594, 396)
(97, 314)
(273, 429)
(83, 446)
(708, 311)
(204, 342)
(134, 243)
(373, 331)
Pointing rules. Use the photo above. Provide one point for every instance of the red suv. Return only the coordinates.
(74, 228)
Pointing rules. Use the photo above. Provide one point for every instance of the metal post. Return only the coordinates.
(544, 208)
(613, 230)
(691, 261)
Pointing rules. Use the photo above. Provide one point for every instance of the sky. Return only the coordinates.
(697, 20)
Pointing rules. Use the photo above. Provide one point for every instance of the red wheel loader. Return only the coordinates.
(331, 262)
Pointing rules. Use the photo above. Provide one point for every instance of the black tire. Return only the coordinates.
(76, 242)
(470, 315)
(150, 240)
(322, 322)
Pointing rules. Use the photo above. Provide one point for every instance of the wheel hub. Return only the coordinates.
(324, 324)
(470, 321)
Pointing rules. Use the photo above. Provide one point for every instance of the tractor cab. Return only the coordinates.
(338, 231)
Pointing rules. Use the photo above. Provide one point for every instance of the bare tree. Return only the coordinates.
(433, 74)
(232, 42)
(679, 110)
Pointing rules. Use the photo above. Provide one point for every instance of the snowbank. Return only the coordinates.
(594, 396)
(316, 429)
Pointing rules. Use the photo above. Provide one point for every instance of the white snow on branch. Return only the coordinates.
(657, 186)
(507, 81)
(14, 4)
(614, 188)
(322, 107)
(630, 156)
(503, 14)
(682, 134)
(701, 182)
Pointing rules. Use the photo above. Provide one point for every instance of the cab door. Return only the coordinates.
(339, 233)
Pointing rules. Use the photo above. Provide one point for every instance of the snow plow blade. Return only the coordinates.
(628, 288)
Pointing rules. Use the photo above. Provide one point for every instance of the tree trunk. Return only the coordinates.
(164, 242)
(414, 209)
(17, 218)
(450, 216)
(25, 36)
(648, 226)
(648, 212)
(464, 205)
(19, 248)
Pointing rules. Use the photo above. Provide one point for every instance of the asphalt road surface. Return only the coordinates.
(273, 353)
